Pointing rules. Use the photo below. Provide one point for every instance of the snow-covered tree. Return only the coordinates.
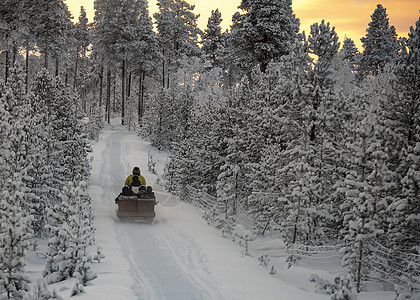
(83, 38)
(146, 56)
(43, 161)
(371, 183)
(15, 212)
(213, 40)
(52, 29)
(265, 32)
(312, 152)
(116, 37)
(178, 34)
(380, 43)
(40, 291)
(404, 115)
(350, 53)
(12, 27)
(71, 233)
(14, 241)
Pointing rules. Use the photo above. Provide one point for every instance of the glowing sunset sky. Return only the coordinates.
(350, 17)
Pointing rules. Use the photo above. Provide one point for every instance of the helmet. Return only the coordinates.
(136, 171)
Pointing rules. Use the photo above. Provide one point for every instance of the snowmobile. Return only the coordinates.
(136, 203)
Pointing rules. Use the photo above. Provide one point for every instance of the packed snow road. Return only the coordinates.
(178, 256)
(165, 263)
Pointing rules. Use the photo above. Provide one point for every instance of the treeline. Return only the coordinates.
(322, 139)
(45, 208)
(44, 191)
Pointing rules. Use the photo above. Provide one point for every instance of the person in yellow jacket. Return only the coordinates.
(136, 172)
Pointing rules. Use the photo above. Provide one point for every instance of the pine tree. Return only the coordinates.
(14, 216)
(83, 38)
(43, 162)
(380, 43)
(12, 28)
(405, 213)
(52, 29)
(160, 120)
(14, 242)
(146, 55)
(177, 33)
(404, 112)
(371, 185)
(350, 53)
(213, 40)
(117, 37)
(71, 233)
(233, 184)
(312, 152)
(266, 31)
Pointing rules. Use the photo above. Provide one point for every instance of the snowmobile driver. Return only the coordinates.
(136, 173)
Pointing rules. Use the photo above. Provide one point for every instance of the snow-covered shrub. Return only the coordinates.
(78, 289)
(41, 292)
(321, 286)
(99, 254)
(342, 288)
(83, 271)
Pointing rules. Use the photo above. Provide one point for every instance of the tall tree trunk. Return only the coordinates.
(6, 74)
(101, 81)
(167, 72)
(359, 267)
(108, 96)
(129, 86)
(46, 56)
(123, 91)
(27, 67)
(141, 96)
(56, 67)
(14, 55)
(163, 69)
(75, 69)
(114, 92)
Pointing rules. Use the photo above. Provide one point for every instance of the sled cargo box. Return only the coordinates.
(136, 207)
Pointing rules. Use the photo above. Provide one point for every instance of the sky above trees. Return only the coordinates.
(350, 18)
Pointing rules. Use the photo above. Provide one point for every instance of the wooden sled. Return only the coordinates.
(137, 207)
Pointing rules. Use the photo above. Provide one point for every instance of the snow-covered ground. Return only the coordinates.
(178, 256)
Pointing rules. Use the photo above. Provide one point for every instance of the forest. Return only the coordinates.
(312, 138)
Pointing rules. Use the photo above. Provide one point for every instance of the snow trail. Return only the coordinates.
(165, 263)
(178, 256)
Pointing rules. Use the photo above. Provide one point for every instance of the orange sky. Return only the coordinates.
(350, 17)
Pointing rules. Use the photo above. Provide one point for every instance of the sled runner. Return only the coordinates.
(136, 203)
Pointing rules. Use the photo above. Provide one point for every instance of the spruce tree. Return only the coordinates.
(83, 38)
(43, 162)
(350, 53)
(213, 40)
(15, 197)
(380, 43)
(71, 234)
(265, 32)
(312, 152)
(404, 110)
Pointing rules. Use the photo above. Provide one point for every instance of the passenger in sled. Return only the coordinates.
(135, 185)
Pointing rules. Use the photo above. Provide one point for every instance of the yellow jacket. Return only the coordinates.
(129, 180)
